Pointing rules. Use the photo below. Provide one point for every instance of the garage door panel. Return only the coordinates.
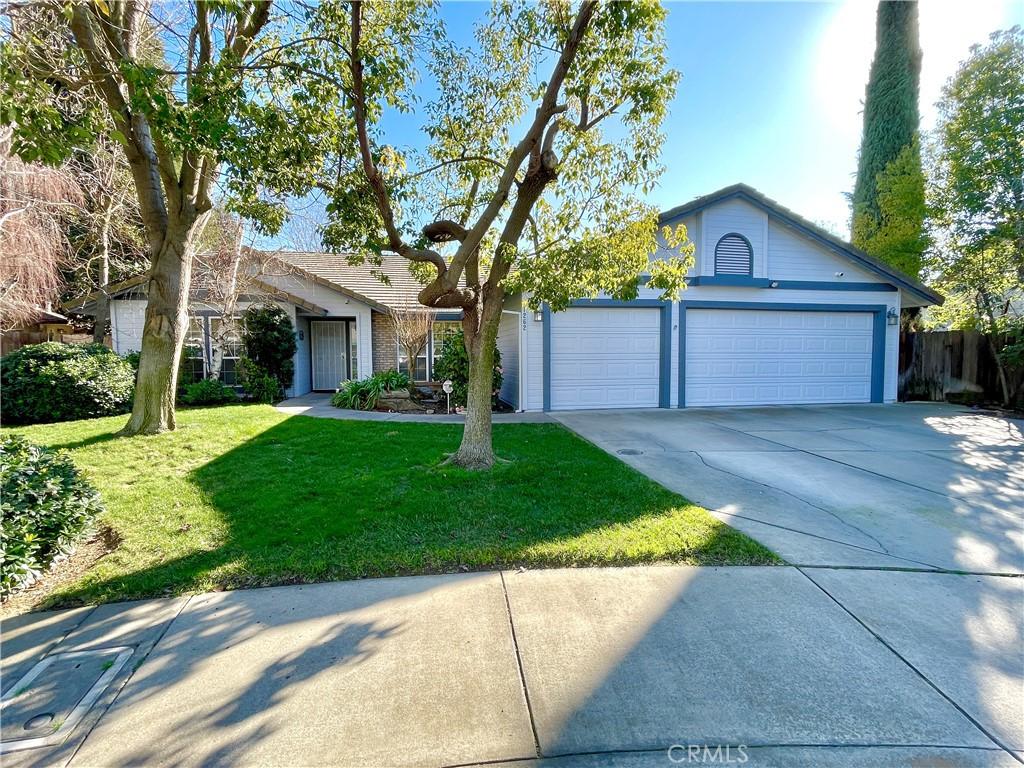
(605, 358)
(754, 357)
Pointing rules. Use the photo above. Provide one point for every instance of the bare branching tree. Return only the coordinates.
(413, 325)
(107, 234)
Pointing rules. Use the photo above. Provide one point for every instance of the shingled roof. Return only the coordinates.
(362, 281)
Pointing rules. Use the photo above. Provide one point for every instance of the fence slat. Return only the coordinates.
(950, 365)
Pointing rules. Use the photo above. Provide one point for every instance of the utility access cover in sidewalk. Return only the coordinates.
(45, 705)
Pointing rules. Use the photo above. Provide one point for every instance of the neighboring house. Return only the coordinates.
(44, 325)
(777, 311)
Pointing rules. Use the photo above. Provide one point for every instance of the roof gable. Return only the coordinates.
(809, 229)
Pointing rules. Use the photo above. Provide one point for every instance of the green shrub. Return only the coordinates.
(269, 339)
(132, 358)
(363, 394)
(45, 505)
(261, 386)
(393, 380)
(454, 365)
(208, 392)
(60, 382)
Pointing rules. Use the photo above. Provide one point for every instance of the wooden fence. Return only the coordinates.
(950, 365)
(12, 340)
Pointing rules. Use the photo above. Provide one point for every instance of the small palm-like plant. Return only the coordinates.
(364, 394)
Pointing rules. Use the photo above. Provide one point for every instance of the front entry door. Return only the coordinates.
(329, 353)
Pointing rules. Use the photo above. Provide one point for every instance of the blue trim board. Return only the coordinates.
(828, 285)
(741, 281)
(682, 356)
(665, 327)
(877, 335)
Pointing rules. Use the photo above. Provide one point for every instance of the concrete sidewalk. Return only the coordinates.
(581, 667)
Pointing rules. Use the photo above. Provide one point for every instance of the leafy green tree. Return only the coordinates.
(197, 95)
(542, 134)
(888, 198)
(976, 195)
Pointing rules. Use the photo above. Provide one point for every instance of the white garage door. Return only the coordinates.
(763, 357)
(604, 357)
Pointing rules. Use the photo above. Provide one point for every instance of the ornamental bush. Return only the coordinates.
(60, 382)
(208, 392)
(269, 339)
(45, 506)
(259, 385)
(362, 395)
(454, 365)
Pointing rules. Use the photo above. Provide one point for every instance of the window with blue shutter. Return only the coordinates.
(734, 256)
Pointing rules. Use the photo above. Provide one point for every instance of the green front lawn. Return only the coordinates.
(242, 496)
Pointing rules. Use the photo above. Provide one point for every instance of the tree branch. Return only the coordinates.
(444, 231)
(373, 176)
(548, 108)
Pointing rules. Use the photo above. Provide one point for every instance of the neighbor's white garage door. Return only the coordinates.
(604, 357)
(764, 357)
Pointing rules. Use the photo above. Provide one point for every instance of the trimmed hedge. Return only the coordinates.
(61, 382)
(45, 506)
(208, 392)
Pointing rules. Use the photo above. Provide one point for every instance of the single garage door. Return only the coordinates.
(604, 357)
(766, 357)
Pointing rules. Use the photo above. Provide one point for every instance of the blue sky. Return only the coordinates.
(771, 92)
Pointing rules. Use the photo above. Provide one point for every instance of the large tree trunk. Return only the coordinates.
(163, 334)
(476, 450)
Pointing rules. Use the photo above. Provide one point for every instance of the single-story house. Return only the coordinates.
(776, 311)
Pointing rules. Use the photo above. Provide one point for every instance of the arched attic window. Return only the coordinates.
(734, 256)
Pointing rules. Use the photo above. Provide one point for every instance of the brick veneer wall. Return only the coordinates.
(385, 343)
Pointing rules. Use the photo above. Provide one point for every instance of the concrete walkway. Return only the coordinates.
(583, 667)
(319, 404)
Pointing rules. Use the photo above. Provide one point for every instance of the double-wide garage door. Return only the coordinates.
(605, 357)
(766, 357)
(611, 357)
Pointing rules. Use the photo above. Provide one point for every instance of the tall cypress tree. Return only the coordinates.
(888, 199)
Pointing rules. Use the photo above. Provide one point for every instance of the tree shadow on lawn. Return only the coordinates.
(316, 499)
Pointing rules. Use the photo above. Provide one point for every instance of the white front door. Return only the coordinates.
(770, 357)
(329, 353)
(605, 357)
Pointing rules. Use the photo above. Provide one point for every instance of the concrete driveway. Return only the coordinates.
(905, 486)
